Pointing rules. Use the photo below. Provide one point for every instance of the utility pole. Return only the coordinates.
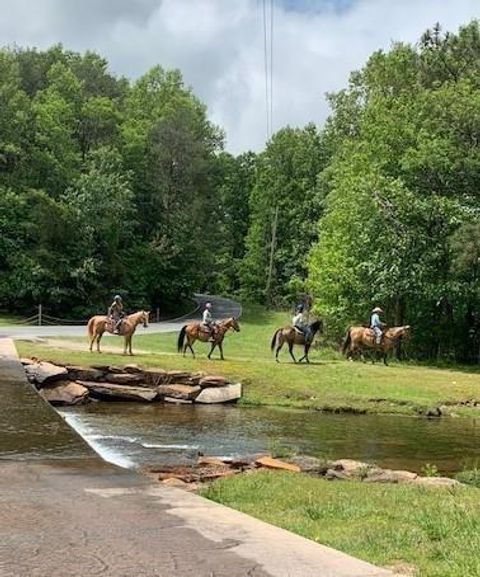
(272, 253)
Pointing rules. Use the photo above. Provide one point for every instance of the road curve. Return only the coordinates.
(222, 308)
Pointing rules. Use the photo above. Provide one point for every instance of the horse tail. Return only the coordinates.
(90, 327)
(181, 338)
(274, 339)
(347, 341)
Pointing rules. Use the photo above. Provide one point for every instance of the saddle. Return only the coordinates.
(205, 329)
(111, 326)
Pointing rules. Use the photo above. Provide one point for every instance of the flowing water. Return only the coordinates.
(133, 435)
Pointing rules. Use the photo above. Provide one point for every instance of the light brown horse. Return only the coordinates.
(358, 339)
(292, 337)
(98, 324)
(198, 331)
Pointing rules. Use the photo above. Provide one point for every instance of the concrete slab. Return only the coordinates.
(77, 516)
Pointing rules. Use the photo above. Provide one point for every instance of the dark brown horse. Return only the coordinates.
(293, 337)
(358, 339)
(99, 324)
(198, 331)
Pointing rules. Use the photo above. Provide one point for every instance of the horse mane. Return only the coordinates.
(317, 324)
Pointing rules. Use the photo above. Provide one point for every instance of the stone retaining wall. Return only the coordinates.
(71, 384)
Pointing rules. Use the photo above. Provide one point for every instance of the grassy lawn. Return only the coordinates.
(6, 319)
(426, 532)
(329, 383)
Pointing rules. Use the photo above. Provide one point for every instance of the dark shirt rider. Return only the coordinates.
(116, 313)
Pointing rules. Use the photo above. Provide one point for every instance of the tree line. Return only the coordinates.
(108, 185)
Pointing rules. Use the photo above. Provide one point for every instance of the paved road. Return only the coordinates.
(66, 513)
(222, 308)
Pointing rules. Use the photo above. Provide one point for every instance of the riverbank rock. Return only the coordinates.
(195, 378)
(177, 401)
(43, 373)
(180, 377)
(309, 464)
(64, 393)
(111, 391)
(271, 463)
(353, 468)
(84, 374)
(185, 392)
(226, 394)
(436, 482)
(124, 378)
(154, 377)
(213, 381)
(132, 369)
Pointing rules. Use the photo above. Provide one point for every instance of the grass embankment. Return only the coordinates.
(328, 383)
(423, 531)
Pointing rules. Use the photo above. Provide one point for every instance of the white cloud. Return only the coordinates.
(218, 45)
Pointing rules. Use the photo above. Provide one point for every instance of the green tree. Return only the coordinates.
(284, 208)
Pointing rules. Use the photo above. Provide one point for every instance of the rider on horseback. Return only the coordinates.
(300, 323)
(208, 320)
(116, 313)
(376, 324)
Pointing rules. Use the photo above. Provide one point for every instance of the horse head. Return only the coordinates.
(144, 318)
(316, 326)
(232, 323)
(401, 332)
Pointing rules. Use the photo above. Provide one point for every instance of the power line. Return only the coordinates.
(271, 67)
(265, 61)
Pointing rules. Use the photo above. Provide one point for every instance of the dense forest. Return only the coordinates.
(109, 185)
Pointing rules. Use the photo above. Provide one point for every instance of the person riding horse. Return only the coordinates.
(377, 325)
(116, 314)
(300, 323)
(208, 321)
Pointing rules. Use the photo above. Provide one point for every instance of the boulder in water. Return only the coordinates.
(43, 373)
(64, 393)
(112, 392)
(84, 374)
(226, 394)
(177, 391)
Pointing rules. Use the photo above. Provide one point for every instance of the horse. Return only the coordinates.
(198, 331)
(98, 324)
(292, 337)
(359, 338)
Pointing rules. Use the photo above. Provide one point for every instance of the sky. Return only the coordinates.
(219, 47)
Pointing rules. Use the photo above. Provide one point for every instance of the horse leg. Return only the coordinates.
(130, 345)
(290, 350)
(92, 340)
(214, 344)
(99, 338)
(385, 359)
(305, 356)
(279, 348)
(220, 346)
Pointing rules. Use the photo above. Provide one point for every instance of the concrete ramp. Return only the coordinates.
(65, 512)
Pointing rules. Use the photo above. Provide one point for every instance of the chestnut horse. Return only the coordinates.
(198, 331)
(292, 337)
(359, 338)
(98, 324)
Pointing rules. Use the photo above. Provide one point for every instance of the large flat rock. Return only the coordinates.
(226, 394)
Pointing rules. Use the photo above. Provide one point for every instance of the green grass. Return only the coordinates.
(6, 319)
(434, 531)
(329, 383)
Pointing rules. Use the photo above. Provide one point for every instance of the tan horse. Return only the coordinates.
(358, 339)
(198, 331)
(98, 324)
(293, 337)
